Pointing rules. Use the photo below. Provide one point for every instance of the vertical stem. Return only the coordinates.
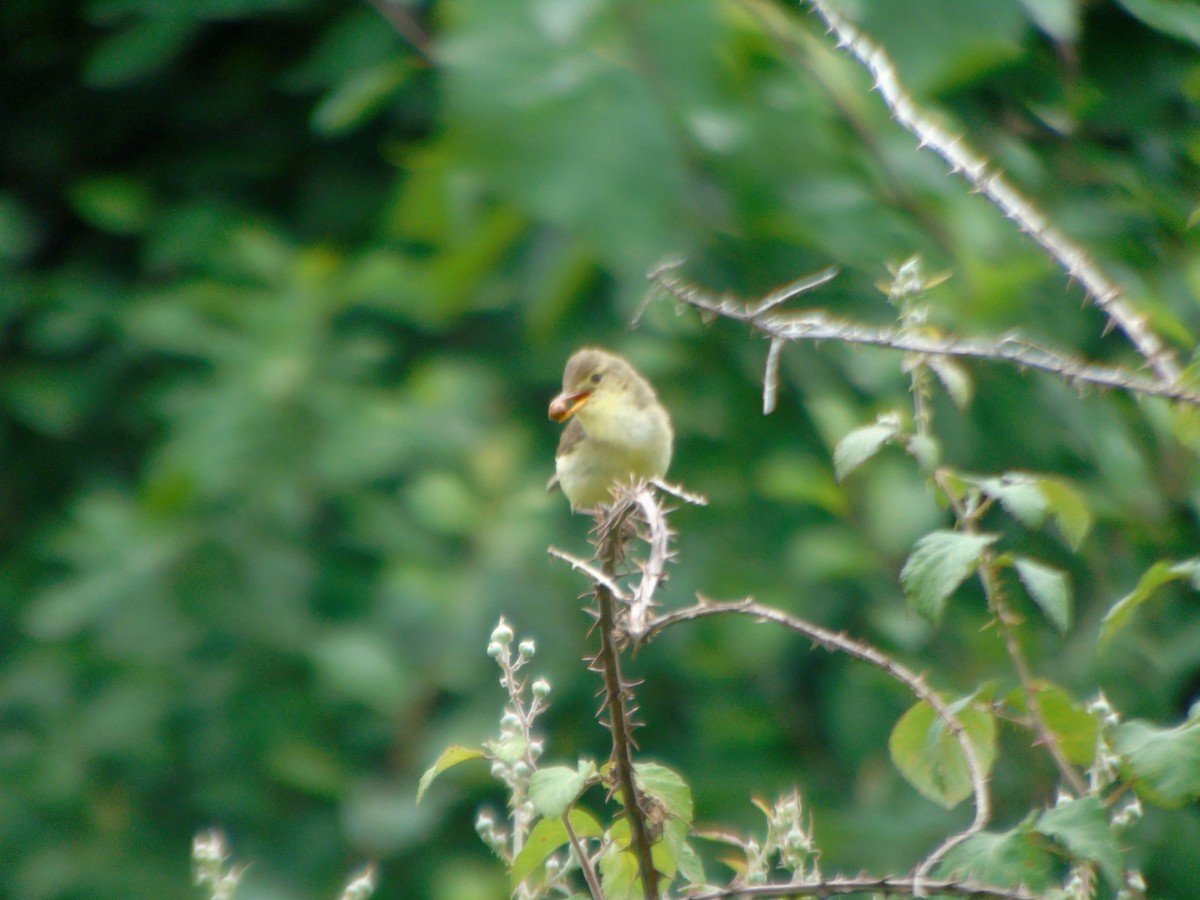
(608, 662)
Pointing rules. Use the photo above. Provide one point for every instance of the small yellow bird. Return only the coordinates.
(618, 428)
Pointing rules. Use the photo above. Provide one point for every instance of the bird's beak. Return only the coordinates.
(566, 405)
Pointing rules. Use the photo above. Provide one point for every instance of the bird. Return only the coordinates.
(617, 429)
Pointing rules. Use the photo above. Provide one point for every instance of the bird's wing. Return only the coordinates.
(571, 436)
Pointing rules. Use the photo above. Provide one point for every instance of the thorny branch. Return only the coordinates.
(841, 643)
(815, 325)
(991, 183)
(836, 887)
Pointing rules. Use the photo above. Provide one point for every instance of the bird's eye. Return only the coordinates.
(596, 376)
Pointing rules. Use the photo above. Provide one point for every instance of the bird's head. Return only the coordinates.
(591, 375)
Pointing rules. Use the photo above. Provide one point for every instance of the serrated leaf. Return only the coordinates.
(1070, 511)
(1050, 589)
(618, 865)
(937, 566)
(860, 445)
(1008, 858)
(667, 787)
(1073, 727)
(954, 378)
(546, 837)
(926, 451)
(1021, 496)
(1162, 763)
(1082, 827)
(1152, 579)
(554, 788)
(928, 755)
(449, 758)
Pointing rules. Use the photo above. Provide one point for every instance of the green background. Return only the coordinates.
(284, 297)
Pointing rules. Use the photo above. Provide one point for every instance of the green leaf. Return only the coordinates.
(1050, 589)
(1162, 763)
(1004, 859)
(1082, 827)
(618, 865)
(1021, 496)
(929, 756)
(115, 203)
(1073, 727)
(450, 757)
(1179, 18)
(353, 101)
(1070, 511)
(1162, 572)
(937, 566)
(955, 378)
(667, 787)
(861, 444)
(547, 836)
(1059, 19)
(554, 788)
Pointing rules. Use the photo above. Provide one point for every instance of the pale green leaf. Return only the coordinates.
(1162, 572)
(546, 837)
(1082, 827)
(929, 756)
(449, 758)
(1050, 589)
(1011, 858)
(667, 787)
(1073, 727)
(554, 788)
(955, 378)
(1179, 18)
(938, 565)
(1162, 763)
(860, 445)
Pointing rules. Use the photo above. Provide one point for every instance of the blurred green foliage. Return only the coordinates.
(284, 294)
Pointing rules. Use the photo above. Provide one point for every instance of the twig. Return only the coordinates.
(400, 17)
(582, 565)
(991, 183)
(834, 887)
(816, 325)
(585, 863)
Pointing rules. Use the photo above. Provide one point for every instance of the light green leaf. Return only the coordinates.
(938, 565)
(667, 787)
(1162, 763)
(1020, 495)
(1179, 18)
(618, 865)
(861, 444)
(955, 378)
(1070, 511)
(929, 756)
(1073, 727)
(1050, 589)
(354, 100)
(1009, 858)
(1155, 577)
(450, 757)
(1082, 827)
(1059, 19)
(547, 836)
(554, 788)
